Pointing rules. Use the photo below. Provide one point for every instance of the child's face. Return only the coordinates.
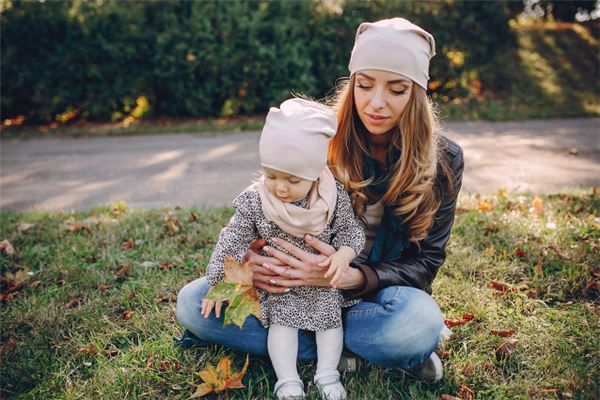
(287, 188)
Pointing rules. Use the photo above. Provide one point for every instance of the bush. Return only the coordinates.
(105, 60)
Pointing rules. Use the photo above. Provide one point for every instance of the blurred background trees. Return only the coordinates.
(109, 60)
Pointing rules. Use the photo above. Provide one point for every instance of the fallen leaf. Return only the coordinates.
(537, 206)
(123, 272)
(466, 393)
(128, 244)
(484, 206)
(506, 348)
(538, 269)
(502, 193)
(237, 289)
(450, 323)
(74, 302)
(490, 251)
(104, 288)
(110, 352)
(172, 223)
(6, 348)
(520, 253)
(448, 397)
(193, 217)
(166, 266)
(149, 363)
(24, 227)
(163, 298)
(127, 314)
(502, 332)
(118, 208)
(7, 248)
(500, 286)
(220, 378)
(92, 348)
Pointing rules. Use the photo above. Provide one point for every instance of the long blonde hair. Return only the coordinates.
(410, 189)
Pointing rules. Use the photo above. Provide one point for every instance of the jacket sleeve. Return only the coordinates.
(234, 240)
(420, 263)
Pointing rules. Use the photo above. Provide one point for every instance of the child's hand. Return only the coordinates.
(208, 305)
(338, 264)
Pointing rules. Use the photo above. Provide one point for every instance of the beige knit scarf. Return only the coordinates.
(298, 221)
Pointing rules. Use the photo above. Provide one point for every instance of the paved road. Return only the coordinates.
(193, 169)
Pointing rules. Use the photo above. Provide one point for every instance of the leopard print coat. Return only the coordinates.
(306, 307)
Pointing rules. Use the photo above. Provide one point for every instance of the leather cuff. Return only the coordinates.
(371, 281)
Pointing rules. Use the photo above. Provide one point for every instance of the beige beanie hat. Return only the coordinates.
(393, 45)
(296, 137)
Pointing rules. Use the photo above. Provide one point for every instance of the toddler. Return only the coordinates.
(296, 195)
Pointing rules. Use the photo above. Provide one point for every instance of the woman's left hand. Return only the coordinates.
(302, 268)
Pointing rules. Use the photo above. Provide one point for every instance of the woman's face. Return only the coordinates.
(380, 98)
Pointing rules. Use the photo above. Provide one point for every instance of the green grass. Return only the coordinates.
(555, 319)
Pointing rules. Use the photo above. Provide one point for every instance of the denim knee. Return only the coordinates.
(189, 300)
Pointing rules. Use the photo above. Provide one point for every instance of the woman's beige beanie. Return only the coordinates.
(296, 137)
(393, 45)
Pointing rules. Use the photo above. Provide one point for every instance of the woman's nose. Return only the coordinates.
(378, 101)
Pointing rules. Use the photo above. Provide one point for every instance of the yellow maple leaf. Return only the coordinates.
(484, 206)
(537, 206)
(220, 378)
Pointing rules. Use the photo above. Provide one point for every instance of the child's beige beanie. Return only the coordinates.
(393, 45)
(296, 137)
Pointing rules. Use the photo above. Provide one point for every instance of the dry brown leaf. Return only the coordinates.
(110, 352)
(466, 393)
(74, 302)
(7, 248)
(172, 223)
(500, 286)
(502, 332)
(163, 298)
(237, 273)
(91, 348)
(166, 266)
(6, 348)
(127, 314)
(193, 217)
(128, 244)
(448, 397)
(506, 348)
(123, 272)
(104, 288)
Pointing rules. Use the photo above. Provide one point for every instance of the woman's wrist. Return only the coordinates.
(355, 279)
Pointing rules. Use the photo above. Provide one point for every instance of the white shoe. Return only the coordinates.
(289, 389)
(329, 386)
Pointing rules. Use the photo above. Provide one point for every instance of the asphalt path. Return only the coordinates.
(47, 174)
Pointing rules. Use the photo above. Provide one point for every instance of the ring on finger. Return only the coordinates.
(273, 282)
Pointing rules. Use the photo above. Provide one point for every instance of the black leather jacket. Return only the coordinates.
(418, 266)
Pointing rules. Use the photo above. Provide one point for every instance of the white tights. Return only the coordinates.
(282, 343)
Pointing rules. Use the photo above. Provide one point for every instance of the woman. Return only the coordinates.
(403, 179)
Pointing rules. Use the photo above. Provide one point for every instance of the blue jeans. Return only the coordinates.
(397, 327)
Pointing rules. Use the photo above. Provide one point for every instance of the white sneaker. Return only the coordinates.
(289, 389)
(329, 386)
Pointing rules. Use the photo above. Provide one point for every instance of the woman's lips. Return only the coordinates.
(376, 119)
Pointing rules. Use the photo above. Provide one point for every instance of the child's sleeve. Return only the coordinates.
(234, 240)
(348, 231)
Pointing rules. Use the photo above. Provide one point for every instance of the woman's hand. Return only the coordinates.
(262, 276)
(302, 268)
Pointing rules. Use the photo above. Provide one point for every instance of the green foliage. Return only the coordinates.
(99, 60)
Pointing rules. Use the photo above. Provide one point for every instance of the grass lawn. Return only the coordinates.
(95, 315)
